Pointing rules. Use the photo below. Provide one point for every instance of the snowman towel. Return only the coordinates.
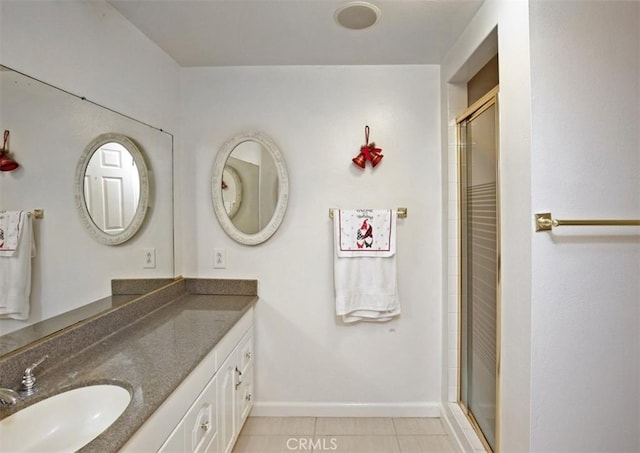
(365, 265)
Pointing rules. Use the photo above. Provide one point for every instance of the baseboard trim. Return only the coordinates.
(313, 409)
(458, 427)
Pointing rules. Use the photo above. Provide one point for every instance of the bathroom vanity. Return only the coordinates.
(184, 352)
(221, 389)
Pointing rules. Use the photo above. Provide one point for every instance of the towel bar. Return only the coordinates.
(402, 213)
(545, 222)
(36, 213)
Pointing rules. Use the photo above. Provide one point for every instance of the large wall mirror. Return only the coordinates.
(250, 187)
(112, 188)
(55, 136)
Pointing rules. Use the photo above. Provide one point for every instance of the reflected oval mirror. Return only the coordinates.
(231, 190)
(112, 188)
(261, 174)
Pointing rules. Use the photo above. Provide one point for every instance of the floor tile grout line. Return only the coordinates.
(395, 430)
(398, 444)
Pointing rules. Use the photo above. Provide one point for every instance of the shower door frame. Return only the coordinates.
(473, 111)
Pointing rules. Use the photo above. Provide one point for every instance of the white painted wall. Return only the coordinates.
(467, 56)
(307, 361)
(586, 281)
(88, 49)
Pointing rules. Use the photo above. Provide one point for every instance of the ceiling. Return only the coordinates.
(297, 32)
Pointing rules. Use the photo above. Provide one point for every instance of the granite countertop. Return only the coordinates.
(149, 357)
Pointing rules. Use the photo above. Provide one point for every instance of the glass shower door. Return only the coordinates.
(479, 273)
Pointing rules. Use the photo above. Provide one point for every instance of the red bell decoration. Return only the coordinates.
(6, 163)
(360, 160)
(368, 152)
(375, 156)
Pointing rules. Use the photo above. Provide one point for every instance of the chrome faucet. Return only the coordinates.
(8, 397)
(29, 379)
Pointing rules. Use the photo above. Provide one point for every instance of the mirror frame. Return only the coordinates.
(283, 188)
(143, 202)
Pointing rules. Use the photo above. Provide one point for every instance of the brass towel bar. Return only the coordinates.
(402, 213)
(545, 222)
(36, 213)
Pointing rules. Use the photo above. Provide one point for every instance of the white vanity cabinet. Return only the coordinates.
(207, 410)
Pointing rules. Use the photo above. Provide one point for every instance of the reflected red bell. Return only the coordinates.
(7, 164)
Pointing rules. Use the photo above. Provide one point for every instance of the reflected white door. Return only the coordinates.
(112, 188)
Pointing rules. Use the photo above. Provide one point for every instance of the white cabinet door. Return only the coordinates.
(201, 422)
(235, 391)
(244, 391)
(226, 403)
(198, 430)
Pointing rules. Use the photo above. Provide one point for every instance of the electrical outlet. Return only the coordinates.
(219, 258)
(149, 258)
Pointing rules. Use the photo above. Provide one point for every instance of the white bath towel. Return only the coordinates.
(365, 282)
(15, 273)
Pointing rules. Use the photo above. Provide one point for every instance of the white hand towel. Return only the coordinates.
(365, 282)
(15, 273)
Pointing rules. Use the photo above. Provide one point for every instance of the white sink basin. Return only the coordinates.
(64, 422)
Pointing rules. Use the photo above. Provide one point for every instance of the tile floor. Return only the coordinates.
(340, 435)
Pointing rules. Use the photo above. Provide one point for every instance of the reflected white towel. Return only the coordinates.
(365, 286)
(10, 230)
(15, 274)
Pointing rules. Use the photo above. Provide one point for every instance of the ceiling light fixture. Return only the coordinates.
(357, 15)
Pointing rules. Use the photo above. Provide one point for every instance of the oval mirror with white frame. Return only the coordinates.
(112, 188)
(260, 167)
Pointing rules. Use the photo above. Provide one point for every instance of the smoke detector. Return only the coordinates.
(357, 15)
